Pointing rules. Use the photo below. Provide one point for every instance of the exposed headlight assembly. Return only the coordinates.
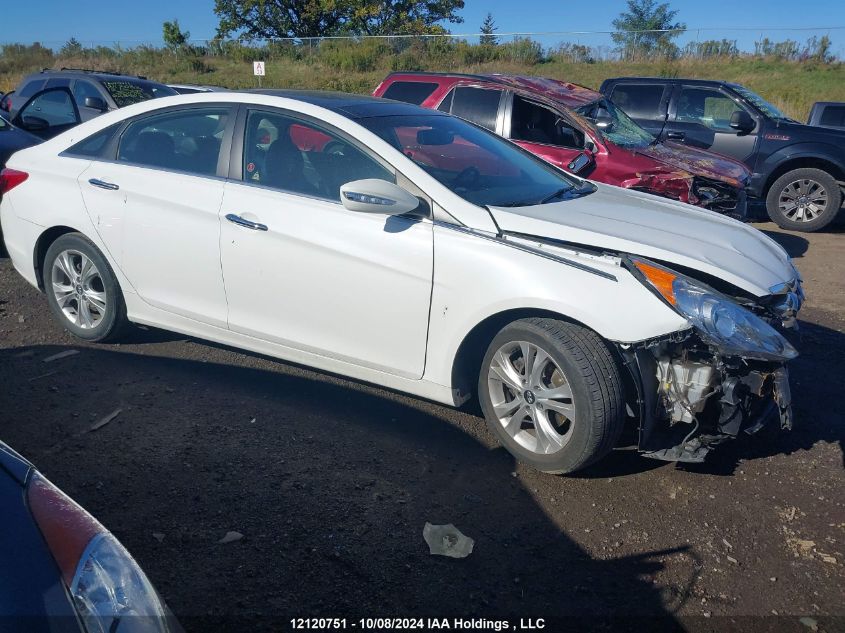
(719, 321)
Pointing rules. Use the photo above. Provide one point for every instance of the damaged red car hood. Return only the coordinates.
(698, 162)
(640, 224)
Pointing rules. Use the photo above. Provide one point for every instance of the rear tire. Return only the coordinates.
(570, 411)
(82, 289)
(806, 199)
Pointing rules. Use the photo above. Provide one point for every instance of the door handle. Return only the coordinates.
(102, 184)
(236, 219)
(675, 136)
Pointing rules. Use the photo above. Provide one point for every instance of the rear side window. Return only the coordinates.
(30, 88)
(478, 105)
(184, 140)
(58, 82)
(833, 115)
(639, 101)
(95, 145)
(410, 91)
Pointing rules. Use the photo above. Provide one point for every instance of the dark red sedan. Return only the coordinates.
(581, 131)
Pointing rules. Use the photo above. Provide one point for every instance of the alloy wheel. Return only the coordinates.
(78, 289)
(803, 200)
(531, 397)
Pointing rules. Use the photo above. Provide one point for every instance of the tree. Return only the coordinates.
(173, 36)
(647, 28)
(72, 48)
(270, 19)
(488, 28)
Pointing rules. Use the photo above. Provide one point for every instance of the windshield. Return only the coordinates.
(126, 92)
(623, 131)
(760, 103)
(473, 163)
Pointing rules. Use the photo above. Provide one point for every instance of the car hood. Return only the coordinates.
(640, 224)
(698, 162)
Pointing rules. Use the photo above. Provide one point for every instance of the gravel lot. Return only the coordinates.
(331, 482)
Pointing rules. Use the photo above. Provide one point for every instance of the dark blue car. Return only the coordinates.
(60, 570)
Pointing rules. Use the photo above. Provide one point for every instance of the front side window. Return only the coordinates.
(536, 123)
(84, 89)
(184, 140)
(478, 105)
(475, 164)
(710, 108)
(299, 157)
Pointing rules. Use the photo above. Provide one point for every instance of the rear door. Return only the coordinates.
(645, 102)
(154, 199)
(700, 116)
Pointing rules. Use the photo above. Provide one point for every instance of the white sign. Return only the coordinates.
(258, 69)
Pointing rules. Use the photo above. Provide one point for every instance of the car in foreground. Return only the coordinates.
(93, 91)
(579, 130)
(797, 169)
(62, 571)
(411, 249)
(827, 114)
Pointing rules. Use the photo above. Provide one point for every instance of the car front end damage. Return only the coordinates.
(725, 375)
(715, 195)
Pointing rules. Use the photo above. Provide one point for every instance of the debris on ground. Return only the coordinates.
(49, 373)
(447, 540)
(158, 536)
(103, 421)
(231, 537)
(60, 355)
(810, 623)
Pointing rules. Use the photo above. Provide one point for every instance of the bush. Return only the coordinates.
(353, 55)
(522, 50)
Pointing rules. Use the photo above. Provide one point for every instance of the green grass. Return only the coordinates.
(793, 86)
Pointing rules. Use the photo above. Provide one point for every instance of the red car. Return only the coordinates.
(580, 130)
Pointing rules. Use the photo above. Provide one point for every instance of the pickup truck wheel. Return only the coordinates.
(551, 391)
(804, 200)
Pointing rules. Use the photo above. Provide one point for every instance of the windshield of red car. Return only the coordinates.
(623, 131)
(473, 163)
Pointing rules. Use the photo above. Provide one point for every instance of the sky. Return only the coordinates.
(132, 23)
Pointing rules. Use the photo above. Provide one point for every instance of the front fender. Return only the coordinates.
(476, 278)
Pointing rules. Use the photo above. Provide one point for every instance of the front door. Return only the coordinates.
(701, 117)
(156, 205)
(543, 132)
(302, 271)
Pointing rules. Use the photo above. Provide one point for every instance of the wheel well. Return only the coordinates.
(45, 240)
(800, 163)
(471, 351)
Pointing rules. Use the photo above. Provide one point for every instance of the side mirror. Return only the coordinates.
(742, 122)
(372, 195)
(603, 119)
(34, 123)
(580, 163)
(95, 103)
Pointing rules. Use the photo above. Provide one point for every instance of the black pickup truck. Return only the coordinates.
(797, 169)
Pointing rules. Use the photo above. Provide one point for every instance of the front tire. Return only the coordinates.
(551, 391)
(804, 199)
(82, 290)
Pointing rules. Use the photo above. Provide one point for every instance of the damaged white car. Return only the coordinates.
(413, 250)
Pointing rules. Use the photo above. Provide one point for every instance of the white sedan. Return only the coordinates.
(413, 250)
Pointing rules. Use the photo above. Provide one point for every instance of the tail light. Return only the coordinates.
(104, 581)
(11, 178)
(5, 104)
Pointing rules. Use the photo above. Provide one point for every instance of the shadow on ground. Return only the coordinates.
(330, 485)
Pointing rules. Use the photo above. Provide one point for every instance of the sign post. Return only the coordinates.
(258, 71)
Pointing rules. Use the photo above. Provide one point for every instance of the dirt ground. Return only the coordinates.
(330, 483)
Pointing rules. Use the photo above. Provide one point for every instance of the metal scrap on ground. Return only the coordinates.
(103, 421)
(447, 540)
(64, 354)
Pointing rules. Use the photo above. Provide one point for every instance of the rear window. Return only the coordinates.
(833, 115)
(640, 101)
(94, 145)
(410, 91)
(126, 92)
